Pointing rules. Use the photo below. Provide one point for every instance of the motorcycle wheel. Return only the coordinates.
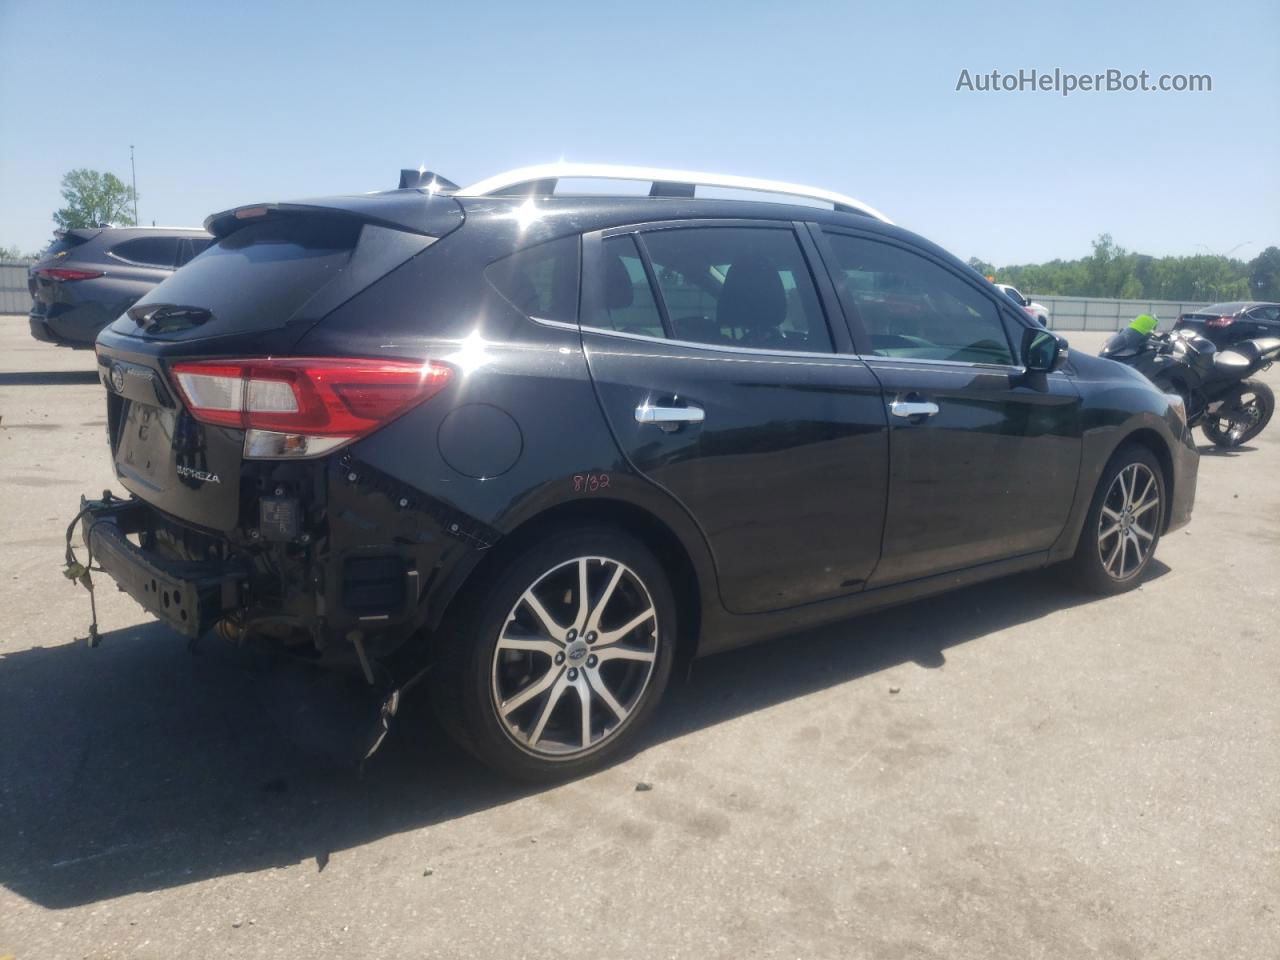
(1250, 412)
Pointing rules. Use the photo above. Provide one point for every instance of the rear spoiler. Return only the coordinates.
(409, 211)
(84, 233)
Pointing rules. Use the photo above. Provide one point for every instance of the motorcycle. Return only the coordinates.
(1213, 384)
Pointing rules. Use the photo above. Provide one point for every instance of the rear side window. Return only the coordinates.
(629, 304)
(911, 307)
(541, 281)
(726, 286)
(149, 251)
(192, 247)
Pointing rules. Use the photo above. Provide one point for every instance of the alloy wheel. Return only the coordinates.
(574, 657)
(1129, 521)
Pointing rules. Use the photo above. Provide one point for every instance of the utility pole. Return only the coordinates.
(134, 170)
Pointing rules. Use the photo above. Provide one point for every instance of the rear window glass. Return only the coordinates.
(261, 274)
(541, 281)
(63, 245)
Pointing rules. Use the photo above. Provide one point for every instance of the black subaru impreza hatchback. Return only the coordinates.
(544, 446)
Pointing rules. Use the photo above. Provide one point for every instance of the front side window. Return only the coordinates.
(912, 308)
(737, 286)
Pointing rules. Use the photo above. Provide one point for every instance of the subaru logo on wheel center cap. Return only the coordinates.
(576, 651)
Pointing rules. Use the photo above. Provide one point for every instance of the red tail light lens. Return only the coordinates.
(58, 273)
(1220, 321)
(302, 406)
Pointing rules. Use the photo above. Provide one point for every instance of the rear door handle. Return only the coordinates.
(913, 408)
(648, 414)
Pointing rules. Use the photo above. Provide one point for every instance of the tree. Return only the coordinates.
(94, 198)
(1264, 275)
(982, 267)
(13, 253)
(1112, 271)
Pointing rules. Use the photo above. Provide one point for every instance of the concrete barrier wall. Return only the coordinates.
(1101, 313)
(14, 296)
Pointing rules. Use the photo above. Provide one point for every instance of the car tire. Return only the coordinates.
(1122, 528)
(543, 688)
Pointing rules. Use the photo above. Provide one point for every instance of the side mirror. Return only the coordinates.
(1043, 351)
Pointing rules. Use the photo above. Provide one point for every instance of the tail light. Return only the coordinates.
(1220, 321)
(304, 407)
(59, 273)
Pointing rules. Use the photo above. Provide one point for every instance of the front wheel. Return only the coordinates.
(1124, 522)
(550, 671)
(1243, 417)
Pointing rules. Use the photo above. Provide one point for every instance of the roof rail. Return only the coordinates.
(663, 183)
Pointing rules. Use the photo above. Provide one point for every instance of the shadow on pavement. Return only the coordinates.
(138, 766)
(1213, 450)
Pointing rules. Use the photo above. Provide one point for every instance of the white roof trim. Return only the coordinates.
(605, 171)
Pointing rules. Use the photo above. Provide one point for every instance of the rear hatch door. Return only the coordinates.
(275, 271)
(44, 285)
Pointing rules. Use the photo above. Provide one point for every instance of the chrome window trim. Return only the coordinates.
(701, 345)
(875, 358)
(870, 359)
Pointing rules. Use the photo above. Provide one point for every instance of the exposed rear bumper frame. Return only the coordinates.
(190, 597)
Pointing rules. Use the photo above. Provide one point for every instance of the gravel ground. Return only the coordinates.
(1056, 776)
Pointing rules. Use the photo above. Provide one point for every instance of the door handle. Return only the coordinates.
(648, 414)
(913, 408)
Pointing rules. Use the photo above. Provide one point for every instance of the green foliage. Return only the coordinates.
(13, 253)
(94, 198)
(1112, 271)
(1264, 275)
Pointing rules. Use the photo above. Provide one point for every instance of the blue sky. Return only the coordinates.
(231, 103)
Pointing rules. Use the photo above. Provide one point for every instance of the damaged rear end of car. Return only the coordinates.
(234, 430)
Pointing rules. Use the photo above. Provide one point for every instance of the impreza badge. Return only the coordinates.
(191, 473)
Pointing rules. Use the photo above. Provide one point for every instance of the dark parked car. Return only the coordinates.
(89, 276)
(1228, 323)
(552, 445)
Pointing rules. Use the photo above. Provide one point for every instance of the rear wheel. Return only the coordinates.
(1123, 526)
(555, 668)
(1243, 417)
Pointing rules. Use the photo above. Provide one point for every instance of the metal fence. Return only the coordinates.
(1102, 313)
(14, 296)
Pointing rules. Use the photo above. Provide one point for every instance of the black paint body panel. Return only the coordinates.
(797, 501)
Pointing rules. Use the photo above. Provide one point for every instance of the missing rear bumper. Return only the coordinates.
(189, 597)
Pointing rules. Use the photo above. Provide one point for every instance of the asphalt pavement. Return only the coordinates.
(1013, 770)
